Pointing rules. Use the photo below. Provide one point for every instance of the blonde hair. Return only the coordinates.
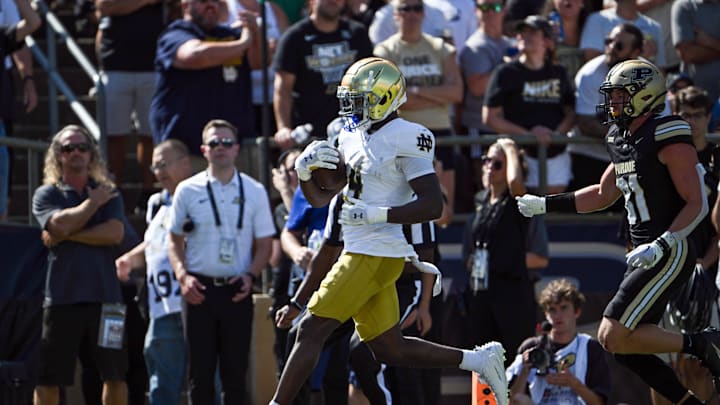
(97, 169)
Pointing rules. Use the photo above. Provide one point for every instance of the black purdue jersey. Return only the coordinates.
(651, 201)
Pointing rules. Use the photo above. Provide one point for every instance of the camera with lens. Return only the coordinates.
(541, 357)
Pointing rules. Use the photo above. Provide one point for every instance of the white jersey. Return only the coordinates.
(378, 175)
(163, 289)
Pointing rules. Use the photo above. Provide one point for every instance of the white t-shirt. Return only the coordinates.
(600, 23)
(383, 25)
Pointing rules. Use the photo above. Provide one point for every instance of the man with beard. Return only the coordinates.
(203, 74)
(81, 215)
(309, 62)
(590, 160)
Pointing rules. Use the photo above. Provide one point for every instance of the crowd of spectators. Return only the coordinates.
(488, 67)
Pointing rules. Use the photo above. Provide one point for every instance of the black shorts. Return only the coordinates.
(68, 329)
(408, 288)
(643, 294)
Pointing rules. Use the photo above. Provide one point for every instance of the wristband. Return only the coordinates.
(253, 277)
(297, 305)
(563, 202)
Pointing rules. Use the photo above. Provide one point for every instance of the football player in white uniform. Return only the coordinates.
(390, 182)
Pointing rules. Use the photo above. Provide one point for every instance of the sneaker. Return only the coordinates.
(710, 346)
(492, 370)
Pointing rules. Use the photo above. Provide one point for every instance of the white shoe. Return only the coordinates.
(491, 370)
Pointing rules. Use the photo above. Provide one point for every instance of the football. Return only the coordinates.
(333, 180)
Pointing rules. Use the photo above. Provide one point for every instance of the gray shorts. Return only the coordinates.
(128, 95)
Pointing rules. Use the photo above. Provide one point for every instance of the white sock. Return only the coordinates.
(469, 360)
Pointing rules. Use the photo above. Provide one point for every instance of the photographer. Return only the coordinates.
(561, 365)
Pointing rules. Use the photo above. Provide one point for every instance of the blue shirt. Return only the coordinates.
(304, 217)
(186, 99)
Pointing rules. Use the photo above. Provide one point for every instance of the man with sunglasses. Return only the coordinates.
(221, 232)
(203, 73)
(589, 161)
(600, 23)
(81, 214)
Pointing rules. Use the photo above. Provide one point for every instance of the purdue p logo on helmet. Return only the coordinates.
(644, 84)
(370, 90)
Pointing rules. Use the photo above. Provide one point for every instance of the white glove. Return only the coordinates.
(356, 212)
(319, 154)
(647, 255)
(531, 205)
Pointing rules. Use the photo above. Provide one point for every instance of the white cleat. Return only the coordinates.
(491, 370)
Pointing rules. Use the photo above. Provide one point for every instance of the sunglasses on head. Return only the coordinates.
(496, 164)
(69, 148)
(618, 46)
(417, 8)
(225, 142)
(496, 7)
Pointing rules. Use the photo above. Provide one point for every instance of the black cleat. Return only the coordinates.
(709, 345)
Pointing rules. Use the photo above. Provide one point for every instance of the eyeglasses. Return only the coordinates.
(417, 8)
(496, 164)
(225, 142)
(496, 7)
(695, 116)
(162, 165)
(69, 148)
(618, 45)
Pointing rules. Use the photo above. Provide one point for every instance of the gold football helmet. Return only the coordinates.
(370, 90)
(645, 86)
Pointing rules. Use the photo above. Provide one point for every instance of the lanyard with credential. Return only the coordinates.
(241, 203)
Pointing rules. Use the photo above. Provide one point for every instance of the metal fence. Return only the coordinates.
(35, 150)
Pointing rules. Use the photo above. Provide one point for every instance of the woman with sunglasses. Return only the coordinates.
(499, 297)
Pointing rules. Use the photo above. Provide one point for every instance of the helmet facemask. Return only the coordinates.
(354, 108)
(371, 89)
(645, 89)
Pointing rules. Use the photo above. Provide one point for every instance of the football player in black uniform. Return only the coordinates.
(654, 165)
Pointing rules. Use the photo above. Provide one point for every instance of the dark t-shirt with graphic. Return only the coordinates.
(532, 97)
(318, 61)
(186, 99)
(129, 41)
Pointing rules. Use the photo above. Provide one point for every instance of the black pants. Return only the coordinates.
(218, 331)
